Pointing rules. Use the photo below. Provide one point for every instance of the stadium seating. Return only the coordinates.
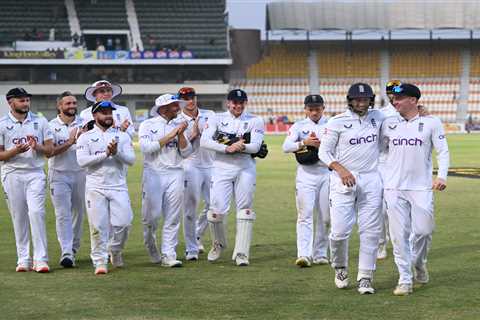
(281, 61)
(275, 97)
(21, 17)
(197, 25)
(338, 62)
(474, 98)
(102, 14)
(423, 62)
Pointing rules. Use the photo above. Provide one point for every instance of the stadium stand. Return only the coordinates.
(281, 61)
(415, 62)
(102, 15)
(32, 20)
(474, 98)
(198, 26)
(340, 62)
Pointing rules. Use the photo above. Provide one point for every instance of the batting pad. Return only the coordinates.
(243, 238)
(217, 228)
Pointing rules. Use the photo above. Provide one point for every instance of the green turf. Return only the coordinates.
(272, 287)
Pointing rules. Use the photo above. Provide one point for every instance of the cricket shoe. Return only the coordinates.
(341, 278)
(101, 269)
(241, 260)
(420, 275)
(23, 267)
(303, 262)
(116, 259)
(191, 256)
(170, 262)
(41, 267)
(67, 261)
(321, 260)
(201, 248)
(215, 252)
(365, 286)
(403, 289)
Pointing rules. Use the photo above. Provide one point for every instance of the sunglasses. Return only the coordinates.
(397, 89)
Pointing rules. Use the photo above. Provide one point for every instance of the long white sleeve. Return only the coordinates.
(291, 143)
(147, 145)
(330, 138)
(256, 137)
(131, 129)
(125, 153)
(207, 142)
(84, 158)
(440, 144)
(188, 150)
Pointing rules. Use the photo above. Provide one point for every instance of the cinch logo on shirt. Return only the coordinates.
(61, 141)
(22, 140)
(172, 144)
(407, 142)
(360, 140)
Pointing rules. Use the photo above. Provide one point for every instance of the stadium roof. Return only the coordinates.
(373, 15)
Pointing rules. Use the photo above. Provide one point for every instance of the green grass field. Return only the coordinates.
(272, 287)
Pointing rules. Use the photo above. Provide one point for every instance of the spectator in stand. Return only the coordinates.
(100, 46)
(75, 39)
(109, 44)
(118, 44)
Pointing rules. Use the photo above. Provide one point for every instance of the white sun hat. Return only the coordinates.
(165, 100)
(89, 93)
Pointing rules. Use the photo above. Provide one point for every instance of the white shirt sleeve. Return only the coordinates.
(84, 158)
(46, 130)
(439, 141)
(330, 139)
(207, 142)
(291, 143)
(131, 129)
(188, 150)
(147, 145)
(256, 137)
(125, 152)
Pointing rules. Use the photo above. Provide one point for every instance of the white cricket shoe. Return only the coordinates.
(116, 259)
(23, 267)
(215, 252)
(241, 260)
(321, 260)
(341, 278)
(41, 267)
(403, 289)
(191, 256)
(201, 248)
(303, 262)
(365, 286)
(382, 252)
(169, 262)
(420, 274)
(101, 269)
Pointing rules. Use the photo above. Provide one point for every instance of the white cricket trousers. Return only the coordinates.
(197, 186)
(384, 234)
(110, 216)
(312, 191)
(411, 217)
(25, 195)
(67, 191)
(163, 194)
(240, 182)
(366, 200)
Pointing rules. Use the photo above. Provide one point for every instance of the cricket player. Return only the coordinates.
(105, 152)
(234, 173)
(350, 147)
(25, 138)
(197, 168)
(388, 110)
(164, 145)
(66, 178)
(409, 184)
(312, 184)
(105, 91)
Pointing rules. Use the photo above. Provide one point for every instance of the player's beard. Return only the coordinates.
(21, 111)
(70, 112)
(107, 123)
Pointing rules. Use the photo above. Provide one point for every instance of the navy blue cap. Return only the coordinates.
(313, 99)
(103, 105)
(237, 95)
(17, 93)
(407, 89)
